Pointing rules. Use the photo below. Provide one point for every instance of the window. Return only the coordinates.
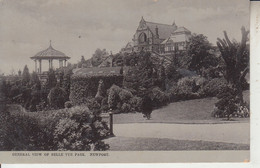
(142, 38)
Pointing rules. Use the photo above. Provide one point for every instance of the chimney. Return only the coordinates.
(156, 32)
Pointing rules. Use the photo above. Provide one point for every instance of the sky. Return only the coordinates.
(79, 27)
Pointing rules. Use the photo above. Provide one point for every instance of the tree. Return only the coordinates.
(35, 81)
(51, 79)
(234, 56)
(57, 97)
(199, 50)
(143, 76)
(66, 82)
(98, 57)
(25, 75)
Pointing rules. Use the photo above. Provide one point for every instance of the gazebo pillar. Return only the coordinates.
(65, 62)
(60, 63)
(35, 65)
(40, 64)
(49, 64)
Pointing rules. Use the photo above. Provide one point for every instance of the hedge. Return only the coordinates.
(83, 87)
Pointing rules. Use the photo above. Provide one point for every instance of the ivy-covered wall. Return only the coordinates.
(83, 87)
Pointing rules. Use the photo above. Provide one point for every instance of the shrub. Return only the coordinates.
(57, 97)
(126, 108)
(213, 86)
(84, 87)
(186, 88)
(158, 97)
(68, 104)
(113, 97)
(76, 128)
(136, 103)
(227, 102)
(125, 95)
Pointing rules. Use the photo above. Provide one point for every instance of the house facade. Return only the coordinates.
(158, 38)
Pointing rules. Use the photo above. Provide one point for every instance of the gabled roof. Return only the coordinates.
(181, 30)
(50, 52)
(175, 38)
(164, 30)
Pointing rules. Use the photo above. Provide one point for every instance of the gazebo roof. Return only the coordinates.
(50, 53)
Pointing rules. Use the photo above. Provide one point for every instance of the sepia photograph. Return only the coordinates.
(112, 80)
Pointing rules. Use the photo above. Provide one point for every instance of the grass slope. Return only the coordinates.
(152, 144)
(190, 111)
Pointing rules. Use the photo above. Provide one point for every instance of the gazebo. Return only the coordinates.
(49, 54)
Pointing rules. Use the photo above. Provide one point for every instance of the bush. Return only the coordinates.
(158, 97)
(76, 128)
(136, 103)
(84, 87)
(68, 104)
(125, 95)
(57, 98)
(187, 88)
(213, 86)
(122, 100)
(126, 108)
(228, 101)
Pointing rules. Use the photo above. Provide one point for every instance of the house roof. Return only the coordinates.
(99, 71)
(50, 52)
(175, 38)
(164, 30)
(181, 30)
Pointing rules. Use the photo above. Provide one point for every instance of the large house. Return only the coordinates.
(158, 38)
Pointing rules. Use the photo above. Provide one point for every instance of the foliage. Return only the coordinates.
(25, 75)
(57, 97)
(67, 81)
(35, 81)
(236, 58)
(147, 106)
(51, 79)
(122, 100)
(98, 57)
(212, 87)
(144, 76)
(158, 97)
(185, 89)
(68, 104)
(68, 129)
(227, 103)
(84, 87)
(199, 49)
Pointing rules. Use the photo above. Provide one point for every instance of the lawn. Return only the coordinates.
(155, 144)
(190, 111)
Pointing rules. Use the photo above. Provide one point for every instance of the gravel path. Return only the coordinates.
(229, 133)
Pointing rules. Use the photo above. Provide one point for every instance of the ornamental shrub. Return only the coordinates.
(85, 87)
(136, 103)
(227, 102)
(57, 98)
(126, 108)
(122, 100)
(68, 104)
(158, 97)
(76, 128)
(212, 87)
